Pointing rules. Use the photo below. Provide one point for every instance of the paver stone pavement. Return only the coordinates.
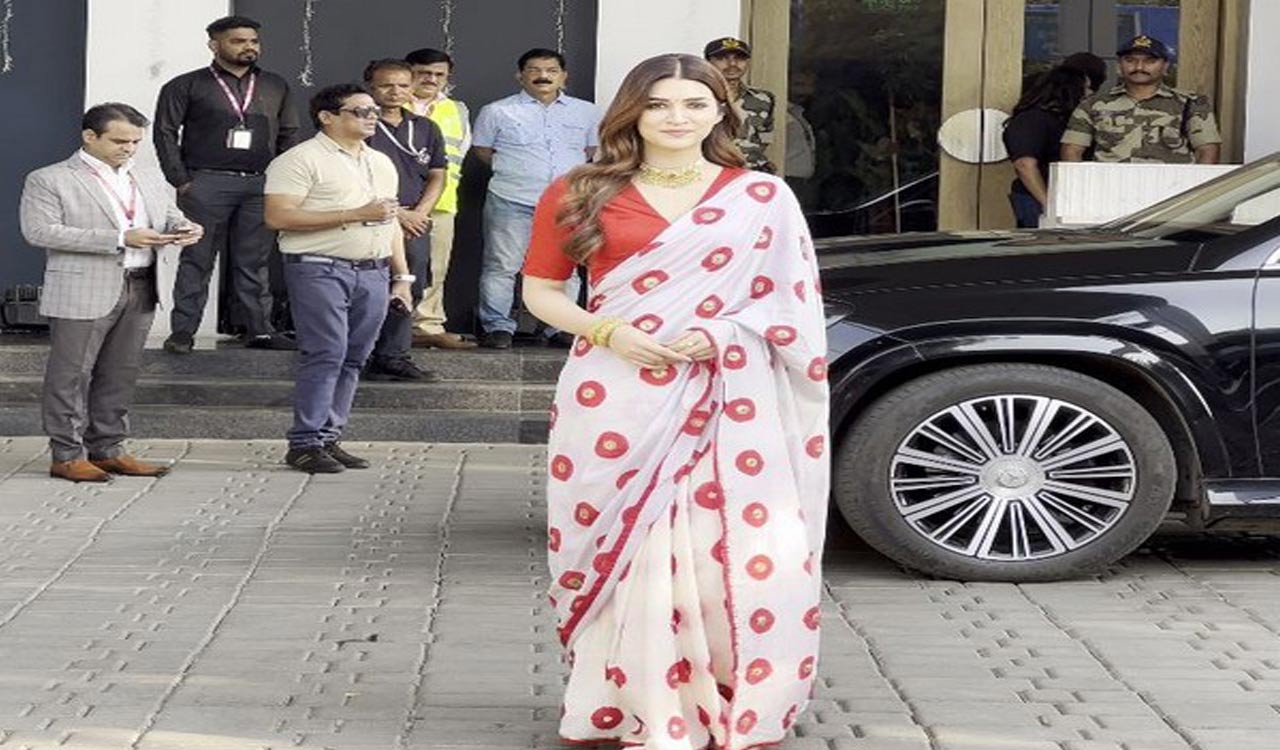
(238, 605)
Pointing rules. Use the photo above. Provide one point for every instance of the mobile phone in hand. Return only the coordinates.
(399, 307)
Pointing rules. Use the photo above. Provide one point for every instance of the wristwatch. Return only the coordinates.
(404, 277)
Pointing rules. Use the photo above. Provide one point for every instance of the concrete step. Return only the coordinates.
(271, 423)
(522, 364)
(462, 396)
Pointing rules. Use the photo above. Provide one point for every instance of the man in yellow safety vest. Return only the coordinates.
(431, 71)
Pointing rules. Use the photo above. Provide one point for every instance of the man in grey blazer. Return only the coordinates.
(100, 218)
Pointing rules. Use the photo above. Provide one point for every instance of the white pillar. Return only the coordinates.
(1262, 95)
(629, 31)
(133, 48)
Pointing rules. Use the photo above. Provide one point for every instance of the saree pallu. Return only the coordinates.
(687, 504)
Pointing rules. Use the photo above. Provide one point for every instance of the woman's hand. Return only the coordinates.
(640, 349)
(695, 345)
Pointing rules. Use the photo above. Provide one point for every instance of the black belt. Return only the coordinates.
(230, 172)
(359, 265)
(144, 272)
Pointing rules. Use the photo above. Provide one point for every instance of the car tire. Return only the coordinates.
(876, 475)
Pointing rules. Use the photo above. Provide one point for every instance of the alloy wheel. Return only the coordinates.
(1013, 477)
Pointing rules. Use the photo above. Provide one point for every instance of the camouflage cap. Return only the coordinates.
(1147, 45)
(725, 44)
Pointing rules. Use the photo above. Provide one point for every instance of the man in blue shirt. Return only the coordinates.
(529, 139)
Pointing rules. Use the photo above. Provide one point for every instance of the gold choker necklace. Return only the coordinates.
(671, 178)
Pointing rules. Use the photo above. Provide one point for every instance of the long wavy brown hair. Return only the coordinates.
(621, 151)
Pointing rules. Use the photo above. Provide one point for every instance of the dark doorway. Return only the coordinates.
(45, 86)
(863, 110)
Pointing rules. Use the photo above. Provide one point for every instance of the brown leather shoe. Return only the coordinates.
(441, 341)
(129, 466)
(78, 470)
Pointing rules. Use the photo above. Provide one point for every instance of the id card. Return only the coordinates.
(240, 139)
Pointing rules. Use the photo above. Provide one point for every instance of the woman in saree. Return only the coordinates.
(688, 480)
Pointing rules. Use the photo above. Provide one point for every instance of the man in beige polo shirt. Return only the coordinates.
(334, 201)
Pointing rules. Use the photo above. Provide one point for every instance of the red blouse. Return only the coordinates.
(628, 221)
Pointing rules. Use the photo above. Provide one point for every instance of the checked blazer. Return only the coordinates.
(66, 211)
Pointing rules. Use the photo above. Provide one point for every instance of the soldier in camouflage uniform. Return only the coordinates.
(1143, 120)
(732, 57)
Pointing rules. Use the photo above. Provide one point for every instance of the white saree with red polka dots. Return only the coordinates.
(687, 505)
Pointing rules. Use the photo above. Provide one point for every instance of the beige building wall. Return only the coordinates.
(628, 31)
(171, 42)
(1261, 81)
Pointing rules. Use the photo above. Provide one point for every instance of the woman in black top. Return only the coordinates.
(1032, 136)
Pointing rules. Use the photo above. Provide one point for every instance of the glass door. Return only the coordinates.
(1015, 39)
(1057, 28)
(863, 110)
(872, 81)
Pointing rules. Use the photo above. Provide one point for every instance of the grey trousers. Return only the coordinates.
(90, 376)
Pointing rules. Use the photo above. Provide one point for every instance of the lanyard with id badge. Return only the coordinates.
(422, 155)
(130, 209)
(240, 137)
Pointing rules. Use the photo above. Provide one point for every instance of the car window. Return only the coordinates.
(1244, 198)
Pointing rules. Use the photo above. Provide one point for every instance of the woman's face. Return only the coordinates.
(680, 114)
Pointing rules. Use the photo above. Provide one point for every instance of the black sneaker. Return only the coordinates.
(276, 341)
(560, 340)
(496, 340)
(178, 343)
(313, 461)
(346, 459)
(398, 370)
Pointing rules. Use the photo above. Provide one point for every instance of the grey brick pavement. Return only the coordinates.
(236, 605)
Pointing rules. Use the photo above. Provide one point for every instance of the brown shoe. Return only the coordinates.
(441, 341)
(78, 470)
(129, 466)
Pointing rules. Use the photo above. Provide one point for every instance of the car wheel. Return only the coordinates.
(1005, 472)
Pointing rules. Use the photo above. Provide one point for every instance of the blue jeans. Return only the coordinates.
(1026, 209)
(337, 312)
(507, 228)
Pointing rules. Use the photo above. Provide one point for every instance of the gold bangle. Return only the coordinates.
(594, 334)
(593, 331)
(602, 331)
(606, 335)
(608, 339)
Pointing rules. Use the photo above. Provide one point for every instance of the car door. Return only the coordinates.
(1237, 218)
(1266, 356)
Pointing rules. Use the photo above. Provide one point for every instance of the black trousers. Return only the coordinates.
(396, 337)
(229, 206)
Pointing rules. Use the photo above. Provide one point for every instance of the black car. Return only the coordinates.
(1031, 405)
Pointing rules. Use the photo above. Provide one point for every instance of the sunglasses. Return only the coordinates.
(363, 113)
